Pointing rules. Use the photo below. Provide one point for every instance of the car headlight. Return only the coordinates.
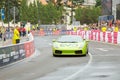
(81, 45)
(55, 46)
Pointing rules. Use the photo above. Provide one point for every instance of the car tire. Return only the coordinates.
(54, 55)
(87, 51)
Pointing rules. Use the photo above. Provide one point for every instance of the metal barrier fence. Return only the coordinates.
(12, 53)
(49, 33)
(7, 35)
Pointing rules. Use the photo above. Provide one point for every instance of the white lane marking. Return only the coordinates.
(101, 49)
(108, 55)
(81, 70)
(50, 44)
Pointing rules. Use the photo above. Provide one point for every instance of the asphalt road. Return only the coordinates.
(102, 63)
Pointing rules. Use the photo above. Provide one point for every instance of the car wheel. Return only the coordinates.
(54, 55)
(87, 51)
(84, 55)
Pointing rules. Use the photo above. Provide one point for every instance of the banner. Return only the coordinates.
(14, 53)
(22, 51)
(4, 56)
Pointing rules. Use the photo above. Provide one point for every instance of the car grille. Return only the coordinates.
(58, 52)
(78, 52)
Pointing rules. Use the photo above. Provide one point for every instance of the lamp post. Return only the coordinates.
(8, 12)
(72, 12)
(19, 7)
(38, 12)
(74, 4)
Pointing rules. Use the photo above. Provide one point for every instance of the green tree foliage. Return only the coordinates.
(98, 3)
(88, 15)
(8, 5)
(49, 14)
(33, 13)
(46, 13)
(24, 13)
(2, 3)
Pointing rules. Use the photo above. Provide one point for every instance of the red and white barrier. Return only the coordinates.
(118, 38)
(95, 35)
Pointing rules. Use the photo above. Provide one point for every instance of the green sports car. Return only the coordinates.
(70, 45)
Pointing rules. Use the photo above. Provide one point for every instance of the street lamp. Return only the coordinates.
(74, 4)
(8, 12)
(72, 13)
(19, 7)
(38, 3)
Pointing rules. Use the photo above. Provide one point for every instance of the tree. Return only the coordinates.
(33, 9)
(8, 4)
(2, 3)
(47, 14)
(87, 15)
(50, 13)
(24, 11)
(98, 3)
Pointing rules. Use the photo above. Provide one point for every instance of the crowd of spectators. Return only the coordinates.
(105, 26)
(3, 30)
(11, 30)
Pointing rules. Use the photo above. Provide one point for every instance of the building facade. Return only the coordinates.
(114, 8)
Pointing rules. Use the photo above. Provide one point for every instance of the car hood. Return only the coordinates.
(68, 45)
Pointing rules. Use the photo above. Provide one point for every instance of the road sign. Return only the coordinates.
(2, 14)
(14, 11)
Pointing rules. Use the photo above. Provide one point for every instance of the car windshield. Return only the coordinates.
(70, 38)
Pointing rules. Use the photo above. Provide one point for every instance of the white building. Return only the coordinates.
(114, 6)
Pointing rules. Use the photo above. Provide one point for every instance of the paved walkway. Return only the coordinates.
(9, 41)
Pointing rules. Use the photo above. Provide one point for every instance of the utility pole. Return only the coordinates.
(14, 15)
(8, 13)
(38, 13)
(72, 13)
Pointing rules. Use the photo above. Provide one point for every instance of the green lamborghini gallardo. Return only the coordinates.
(70, 45)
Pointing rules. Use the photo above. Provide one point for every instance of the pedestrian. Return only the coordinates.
(16, 35)
(24, 31)
(0, 35)
(3, 30)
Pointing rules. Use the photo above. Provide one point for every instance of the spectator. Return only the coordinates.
(24, 31)
(16, 35)
(3, 30)
(116, 29)
(0, 35)
(20, 31)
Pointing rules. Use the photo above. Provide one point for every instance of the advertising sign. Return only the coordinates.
(22, 51)
(4, 56)
(14, 53)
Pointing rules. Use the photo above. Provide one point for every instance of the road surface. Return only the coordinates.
(102, 63)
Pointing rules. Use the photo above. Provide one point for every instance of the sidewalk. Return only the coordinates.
(9, 41)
